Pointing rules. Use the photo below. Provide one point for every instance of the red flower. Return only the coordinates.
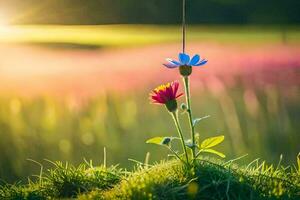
(166, 95)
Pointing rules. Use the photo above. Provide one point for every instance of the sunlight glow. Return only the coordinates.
(4, 25)
(3, 21)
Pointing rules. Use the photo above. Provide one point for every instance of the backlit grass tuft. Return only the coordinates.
(63, 181)
(209, 179)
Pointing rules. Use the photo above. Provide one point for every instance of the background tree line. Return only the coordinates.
(152, 11)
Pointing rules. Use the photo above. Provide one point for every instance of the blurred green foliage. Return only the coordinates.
(133, 35)
(262, 121)
(152, 11)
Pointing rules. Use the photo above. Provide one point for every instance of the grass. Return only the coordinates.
(63, 181)
(209, 179)
(128, 35)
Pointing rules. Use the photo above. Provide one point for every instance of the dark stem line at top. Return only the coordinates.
(183, 25)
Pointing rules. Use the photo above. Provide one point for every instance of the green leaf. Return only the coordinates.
(195, 121)
(160, 140)
(211, 142)
(214, 152)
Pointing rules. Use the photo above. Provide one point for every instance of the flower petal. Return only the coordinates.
(195, 60)
(203, 62)
(184, 58)
(179, 95)
(174, 62)
(176, 86)
(157, 99)
(169, 93)
(170, 65)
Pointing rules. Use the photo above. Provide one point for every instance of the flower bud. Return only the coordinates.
(183, 107)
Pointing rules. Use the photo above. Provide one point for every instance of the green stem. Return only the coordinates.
(176, 154)
(198, 154)
(189, 110)
(175, 117)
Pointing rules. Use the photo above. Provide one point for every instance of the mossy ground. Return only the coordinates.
(208, 179)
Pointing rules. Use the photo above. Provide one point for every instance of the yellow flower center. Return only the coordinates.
(162, 87)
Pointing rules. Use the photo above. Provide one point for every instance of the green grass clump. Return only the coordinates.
(68, 181)
(208, 180)
(20, 192)
(63, 181)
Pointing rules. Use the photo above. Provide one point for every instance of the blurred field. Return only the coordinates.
(132, 35)
(68, 103)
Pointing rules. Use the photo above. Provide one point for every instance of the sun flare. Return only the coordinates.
(3, 20)
(3, 23)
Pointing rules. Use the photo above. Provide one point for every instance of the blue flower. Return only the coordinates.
(185, 60)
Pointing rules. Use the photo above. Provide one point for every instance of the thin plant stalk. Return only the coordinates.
(178, 127)
(183, 25)
(186, 81)
(189, 111)
(176, 154)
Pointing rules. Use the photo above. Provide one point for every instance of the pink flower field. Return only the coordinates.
(34, 70)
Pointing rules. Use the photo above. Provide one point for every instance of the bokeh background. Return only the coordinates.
(75, 77)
